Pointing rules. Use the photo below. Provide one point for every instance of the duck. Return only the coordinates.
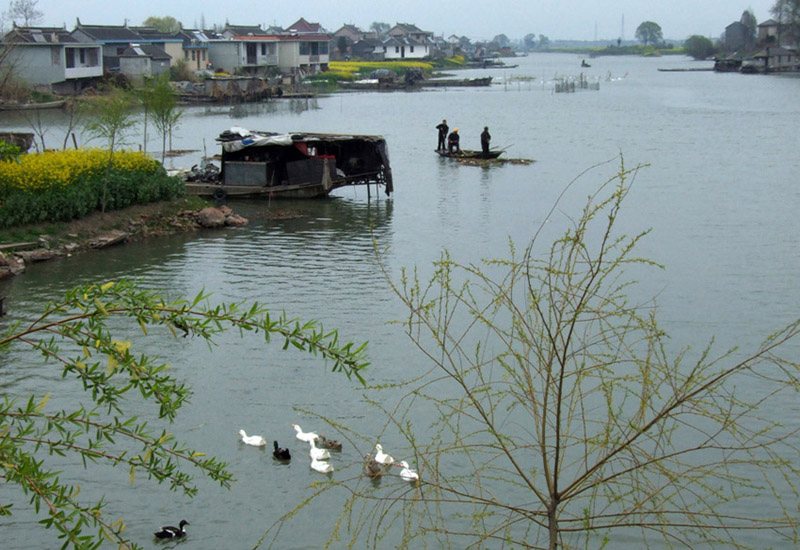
(280, 453)
(407, 473)
(330, 444)
(371, 467)
(308, 437)
(255, 440)
(172, 532)
(321, 466)
(317, 453)
(381, 457)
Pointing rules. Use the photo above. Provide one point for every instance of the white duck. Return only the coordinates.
(308, 437)
(321, 466)
(255, 440)
(318, 454)
(381, 457)
(407, 473)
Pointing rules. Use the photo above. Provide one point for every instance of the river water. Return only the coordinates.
(719, 193)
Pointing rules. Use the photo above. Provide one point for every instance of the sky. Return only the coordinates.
(477, 20)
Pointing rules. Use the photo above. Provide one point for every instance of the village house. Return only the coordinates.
(195, 49)
(242, 49)
(138, 62)
(407, 41)
(52, 57)
(171, 43)
(303, 49)
(113, 39)
(346, 36)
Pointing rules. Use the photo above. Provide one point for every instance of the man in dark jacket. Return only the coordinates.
(443, 128)
(453, 142)
(485, 139)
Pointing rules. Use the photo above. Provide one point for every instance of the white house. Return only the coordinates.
(51, 56)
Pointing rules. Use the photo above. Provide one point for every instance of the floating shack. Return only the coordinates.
(296, 165)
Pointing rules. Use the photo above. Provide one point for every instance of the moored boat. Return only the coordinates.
(295, 165)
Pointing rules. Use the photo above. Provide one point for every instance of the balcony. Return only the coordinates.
(83, 72)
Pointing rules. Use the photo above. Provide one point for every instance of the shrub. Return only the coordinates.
(63, 185)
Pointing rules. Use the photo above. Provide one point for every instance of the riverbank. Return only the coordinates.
(23, 246)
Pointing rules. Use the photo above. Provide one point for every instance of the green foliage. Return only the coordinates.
(160, 101)
(111, 118)
(649, 32)
(699, 47)
(166, 24)
(9, 152)
(120, 189)
(75, 336)
(560, 419)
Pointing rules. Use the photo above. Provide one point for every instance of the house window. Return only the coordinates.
(186, 54)
(323, 48)
(263, 49)
(397, 49)
(82, 56)
(70, 55)
(194, 55)
(411, 49)
(304, 49)
(204, 55)
(120, 51)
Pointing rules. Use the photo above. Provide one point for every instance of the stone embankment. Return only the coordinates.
(19, 256)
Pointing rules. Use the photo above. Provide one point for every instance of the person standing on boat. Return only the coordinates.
(453, 142)
(443, 128)
(486, 137)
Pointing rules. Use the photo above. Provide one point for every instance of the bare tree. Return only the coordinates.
(559, 419)
(24, 12)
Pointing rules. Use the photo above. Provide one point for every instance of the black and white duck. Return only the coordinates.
(172, 532)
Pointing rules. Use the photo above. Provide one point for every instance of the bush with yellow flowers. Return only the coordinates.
(63, 185)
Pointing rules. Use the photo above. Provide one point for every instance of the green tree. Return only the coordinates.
(75, 336)
(380, 29)
(530, 41)
(111, 118)
(501, 40)
(699, 47)
(787, 12)
(649, 33)
(543, 42)
(559, 418)
(166, 24)
(160, 102)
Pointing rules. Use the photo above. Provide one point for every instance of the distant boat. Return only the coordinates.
(32, 106)
(468, 154)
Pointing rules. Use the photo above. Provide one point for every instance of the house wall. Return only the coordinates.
(226, 55)
(404, 51)
(136, 69)
(38, 64)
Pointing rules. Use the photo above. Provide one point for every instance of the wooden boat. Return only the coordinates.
(296, 165)
(468, 154)
(32, 106)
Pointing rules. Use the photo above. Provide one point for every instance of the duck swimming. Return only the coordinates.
(280, 453)
(308, 437)
(255, 440)
(381, 457)
(371, 467)
(407, 473)
(330, 444)
(321, 466)
(318, 454)
(171, 532)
